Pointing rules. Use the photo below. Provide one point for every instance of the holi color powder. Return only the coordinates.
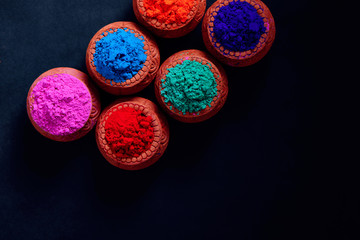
(238, 27)
(120, 55)
(128, 132)
(62, 104)
(168, 11)
(189, 86)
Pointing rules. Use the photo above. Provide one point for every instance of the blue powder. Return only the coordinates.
(238, 27)
(120, 55)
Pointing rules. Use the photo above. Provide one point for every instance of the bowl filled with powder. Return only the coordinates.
(62, 104)
(122, 58)
(132, 134)
(169, 18)
(238, 33)
(191, 86)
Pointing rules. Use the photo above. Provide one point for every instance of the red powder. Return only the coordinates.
(168, 11)
(129, 132)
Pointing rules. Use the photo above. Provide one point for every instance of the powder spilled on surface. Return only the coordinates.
(129, 132)
(168, 11)
(62, 104)
(120, 55)
(238, 27)
(189, 86)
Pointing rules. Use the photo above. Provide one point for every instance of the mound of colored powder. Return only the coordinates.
(189, 86)
(129, 132)
(168, 11)
(120, 55)
(62, 104)
(238, 27)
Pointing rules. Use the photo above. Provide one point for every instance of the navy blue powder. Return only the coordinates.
(238, 27)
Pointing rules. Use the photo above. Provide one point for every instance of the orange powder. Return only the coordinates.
(168, 11)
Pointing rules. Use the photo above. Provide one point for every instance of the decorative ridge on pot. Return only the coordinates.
(138, 81)
(238, 58)
(160, 130)
(217, 102)
(170, 30)
(93, 113)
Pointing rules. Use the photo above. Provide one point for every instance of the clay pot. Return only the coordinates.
(219, 74)
(161, 131)
(95, 110)
(238, 59)
(143, 78)
(170, 30)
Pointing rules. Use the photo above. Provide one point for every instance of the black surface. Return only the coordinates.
(257, 170)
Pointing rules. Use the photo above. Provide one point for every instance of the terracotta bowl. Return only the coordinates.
(143, 78)
(170, 30)
(219, 74)
(95, 110)
(158, 146)
(238, 59)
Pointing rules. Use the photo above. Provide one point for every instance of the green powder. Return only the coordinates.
(189, 86)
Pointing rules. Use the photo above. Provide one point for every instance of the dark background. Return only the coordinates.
(266, 167)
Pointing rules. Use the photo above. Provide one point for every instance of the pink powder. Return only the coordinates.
(62, 104)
